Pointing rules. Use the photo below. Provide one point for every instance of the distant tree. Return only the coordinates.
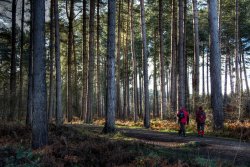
(39, 114)
(110, 104)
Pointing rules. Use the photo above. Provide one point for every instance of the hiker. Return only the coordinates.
(183, 119)
(200, 120)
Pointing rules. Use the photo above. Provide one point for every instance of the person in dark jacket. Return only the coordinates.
(183, 119)
(200, 120)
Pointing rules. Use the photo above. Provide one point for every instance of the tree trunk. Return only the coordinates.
(39, 121)
(59, 113)
(118, 88)
(110, 106)
(196, 55)
(237, 77)
(51, 48)
(208, 53)
(173, 89)
(215, 66)
(162, 61)
(203, 71)
(20, 106)
(30, 71)
(91, 62)
(84, 61)
(245, 73)
(231, 75)
(98, 78)
(135, 95)
(12, 111)
(69, 79)
(225, 85)
(75, 75)
(186, 75)
(145, 66)
(181, 83)
(155, 113)
(127, 64)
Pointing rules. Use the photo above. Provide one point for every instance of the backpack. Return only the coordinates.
(181, 115)
(202, 117)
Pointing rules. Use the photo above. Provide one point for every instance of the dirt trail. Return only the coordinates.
(235, 151)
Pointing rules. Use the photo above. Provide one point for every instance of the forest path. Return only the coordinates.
(236, 152)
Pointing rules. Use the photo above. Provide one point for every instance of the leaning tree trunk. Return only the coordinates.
(145, 66)
(39, 115)
(196, 55)
(59, 113)
(110, 105)
(51, 48)
(215, 66)
(84, 61)
(181, 81)
(162, 61)
(13, 64)
(91, 62)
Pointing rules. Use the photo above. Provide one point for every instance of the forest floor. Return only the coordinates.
(85, 145)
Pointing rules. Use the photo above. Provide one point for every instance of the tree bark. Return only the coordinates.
(215, 66)
(110, 106)
(59, 113)
(39, 121)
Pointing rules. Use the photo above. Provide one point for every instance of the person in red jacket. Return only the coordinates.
(183, 119)
(200, 120)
